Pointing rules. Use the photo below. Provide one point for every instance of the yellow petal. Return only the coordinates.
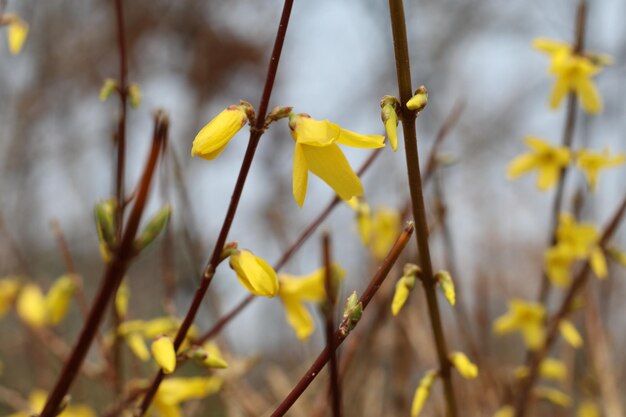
(548, 177)
(138, 346)
(330, 164)
(158, 326)
(31, 306)
(588, 95)
(570, 334)
(308, 131)
(18, 30)
(176, 390)
(214, 137)
(521, 165)
(391, 128)
(400, 296)
(554, 369)
(423, 392)
(550, 46)
(447, 286)
(553, 395)
(357, 140)
(560, 89)
(167, 410)
(309, 287)
(466, 368)
(300, 175)
(298, 317)
(534, 336)
(59, 298)
(164, 354)
(255, 274)
(214, 357)
(121, 299)
(386, 225)
(598, 262)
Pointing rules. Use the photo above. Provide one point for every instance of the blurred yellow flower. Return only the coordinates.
(549, 368)
(214, 358)
(135, 95)
(317, 151)
(423, 392)
(573, 73)
(256, 275)
(213, 138)
(164, 354)
(59, 298)
(385, 230)
(588, 408)
(558, 261)
(31, 306)
(363, 218)
(9, 288)
(174, 391)
(403, 288)
(121, 299)
(553, 395)
(37, 400)
(505, 411)
(445, 282)
(17, 32)
(525, 317)
(545, 158)
(294, 291)
(592, 162)
(570, 334)
(466, 368)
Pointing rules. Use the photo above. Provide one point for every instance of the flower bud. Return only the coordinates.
(59, 298)
(444, 280)
(108, 87)
(389, 115)
(419, 99)
(105, 226)
(121, 299)
(352, 312)
(134, 95)
(31, 306)
(164, 354)
(462, 364)
(214, 137)
(256, 275)
(156, 224)
(17, 32)
(423, 392)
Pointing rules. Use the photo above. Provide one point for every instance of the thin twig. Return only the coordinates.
(112, 276)
(408, 116)
(255, 136)
(341, 334)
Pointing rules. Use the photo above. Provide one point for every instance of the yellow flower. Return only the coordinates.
(37, 400)
(401, 294)
(573, 73)
(549, 368)
(121, 299)
(592, 162)
(9, 288)
(423, 392)
(570, 334)
(505, 411)
(525, 317)
(587, 408)
(17, 32)
(254, 273)
(553, 395)
(59, 298)
(294, 291)
(214, 358)
(213, 138)
(558, 261)
(363, 218)
(545, 158)
(173, 391)
(461, 362)
(317, 151)
(31, 306)
(164, 354)
(137, 345)
(385, 230)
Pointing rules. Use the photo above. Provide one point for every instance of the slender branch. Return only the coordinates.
(341, 335)
(417, 198)
(568, 137)
(255, 135)
(113, 274)
(329, 318)
(563, 311)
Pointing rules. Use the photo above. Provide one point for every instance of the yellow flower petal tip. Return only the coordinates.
(254, 273)
(591, 163)
(548, 160)
(573, 73)
(317, 151)
(213, 138)
(466, 368)
(164, 354)
(17, 32)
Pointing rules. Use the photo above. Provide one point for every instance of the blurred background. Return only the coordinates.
(195, 58)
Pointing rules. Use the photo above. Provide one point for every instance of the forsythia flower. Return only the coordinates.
(363, 219)
(466, 368)
(164, 354)
(17, 32)
(31, 306)
(317, 151)
(294, 291)
(423, 392)
(570, 334)
(549, 368)
(254, 273)
(385, 229)
(553, 395)
(9, 287)
(213, 138)
(545, 158)
(592, 162)
(59, 298)
(526, 317)
(173, 391)
(573, 73)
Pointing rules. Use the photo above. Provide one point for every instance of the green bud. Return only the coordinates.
(105, 221)
(279, 112)
(134, 95)
(156, 224)
(352, 312)
(230, 249)
(108, 87)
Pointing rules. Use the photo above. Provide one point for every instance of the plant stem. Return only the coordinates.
(340, 336)
(112, 277)
(563, 311)
(329, 315)
(568, 137)
(417, 198)
(255, 135)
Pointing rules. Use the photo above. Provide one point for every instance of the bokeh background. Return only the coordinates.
(193, 59)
